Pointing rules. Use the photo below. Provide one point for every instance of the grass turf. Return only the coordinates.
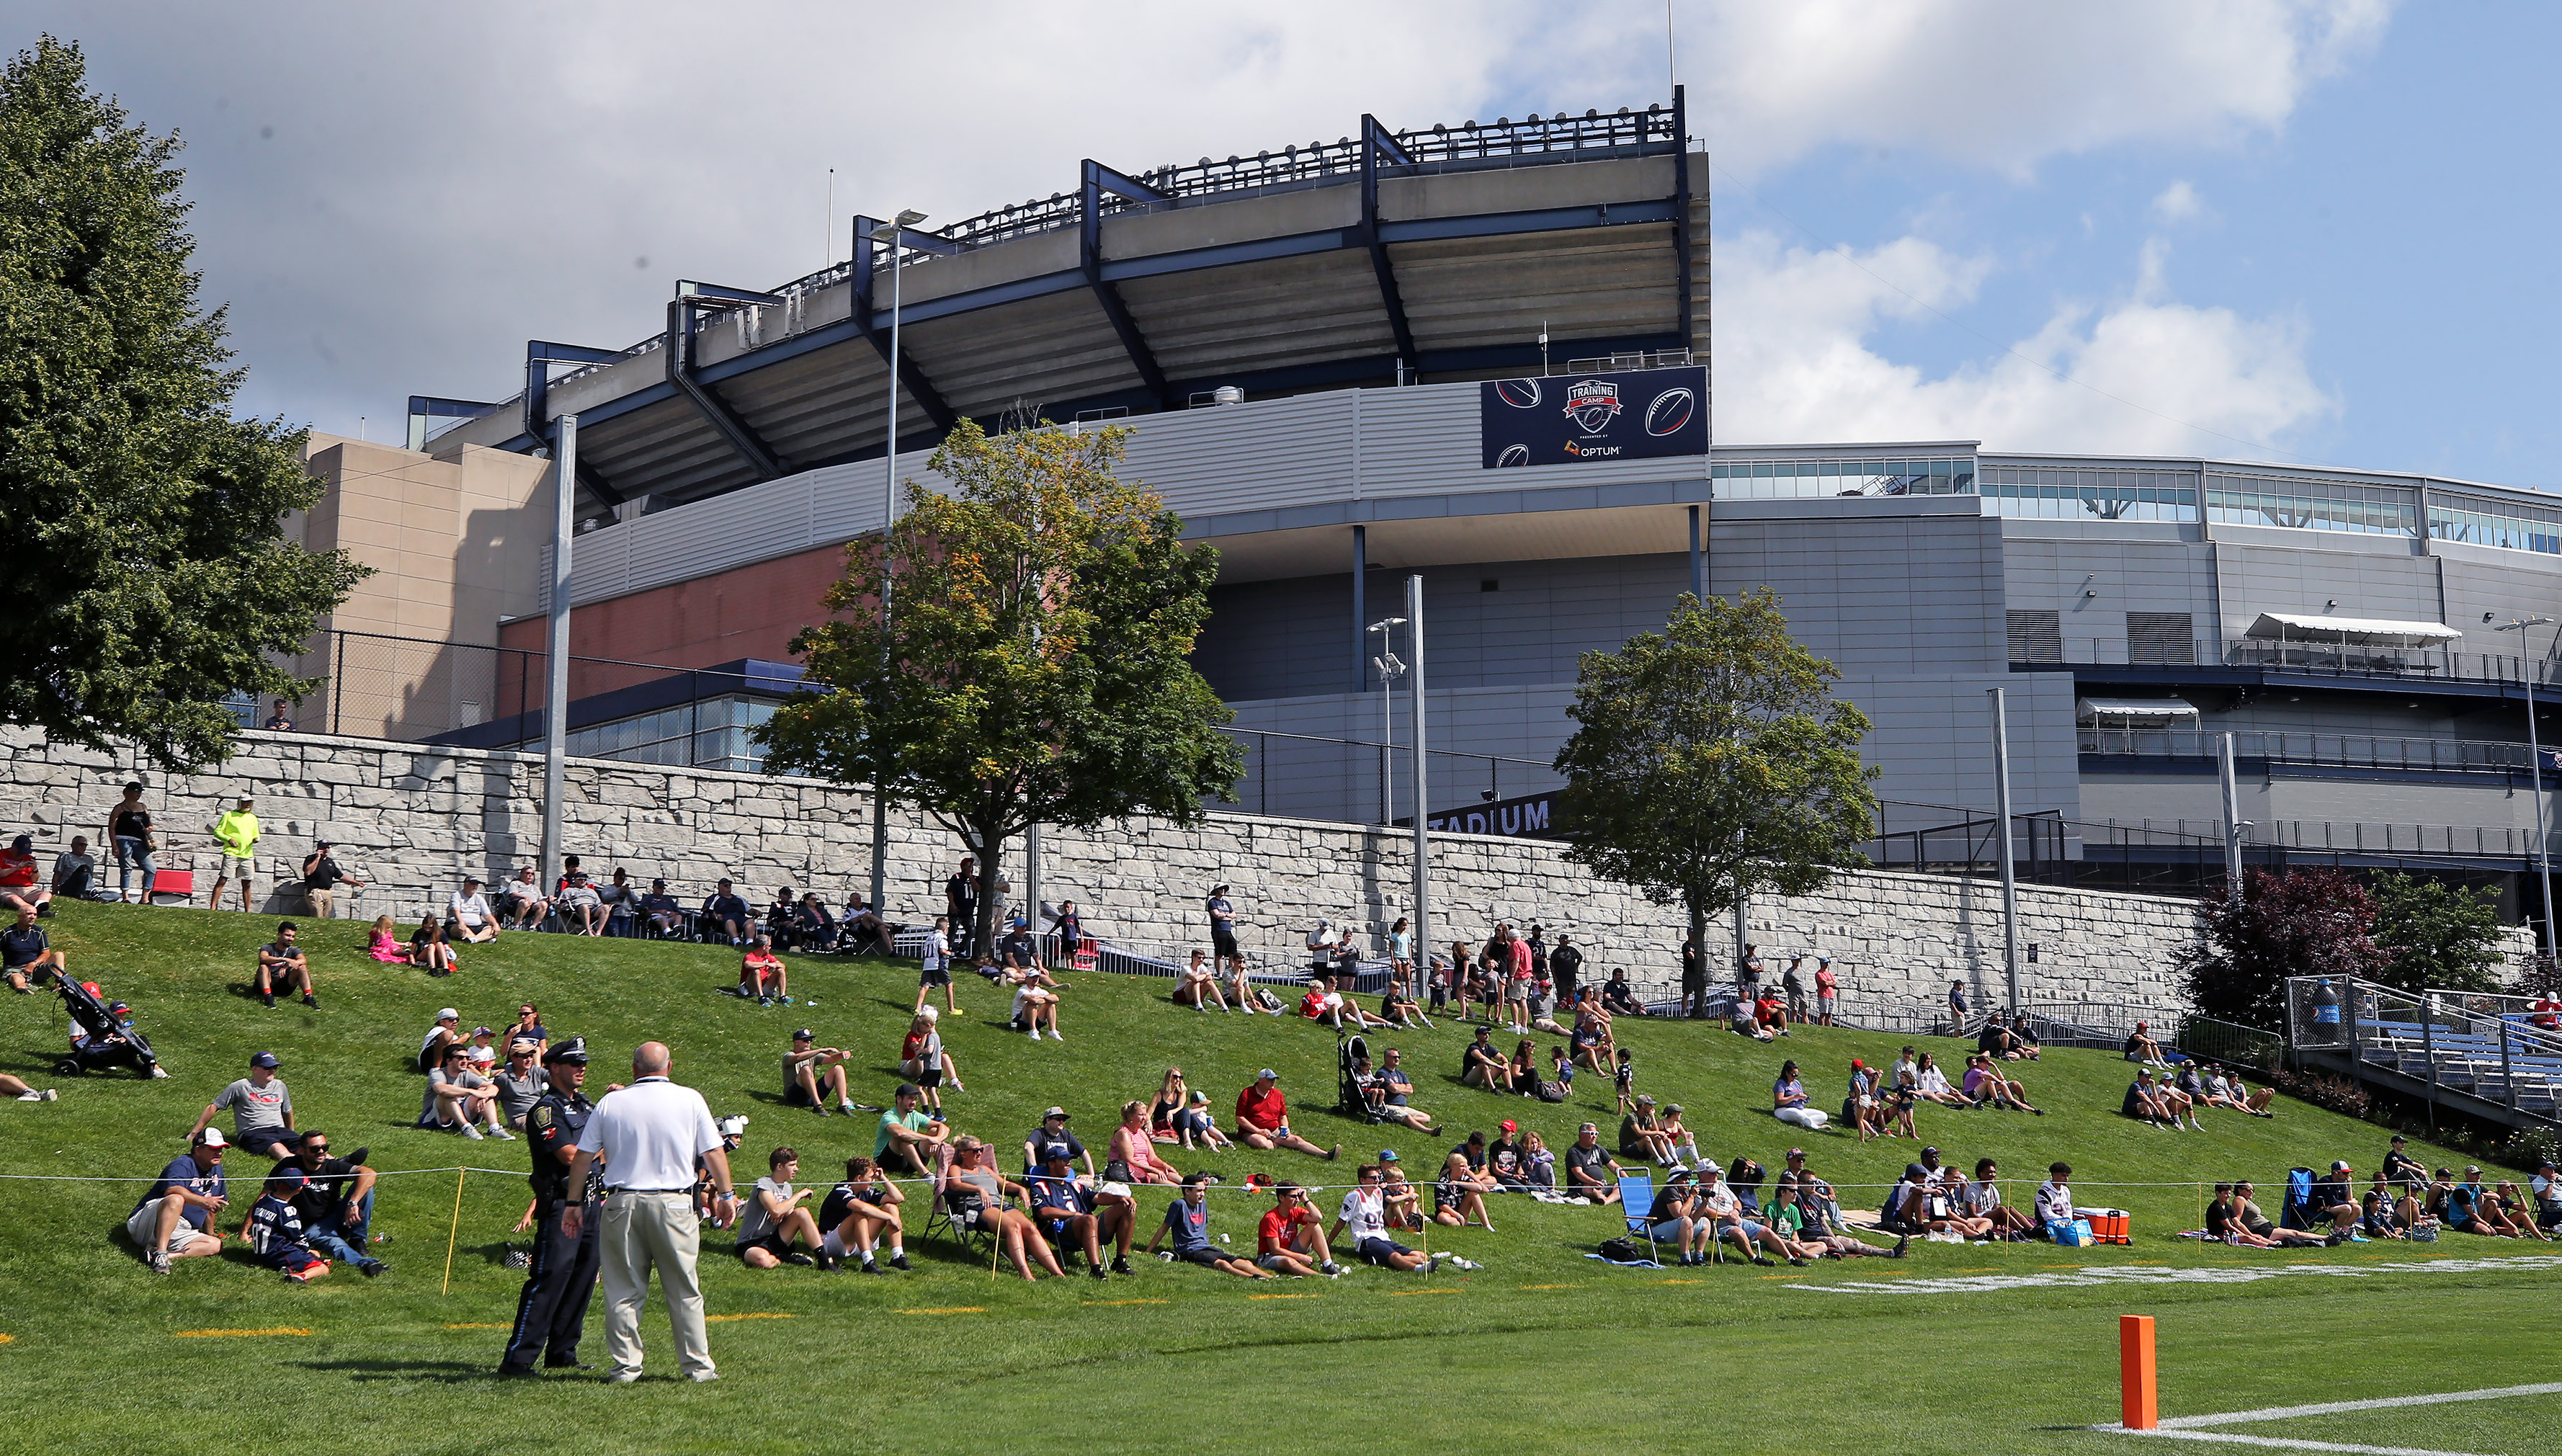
(396, 1366)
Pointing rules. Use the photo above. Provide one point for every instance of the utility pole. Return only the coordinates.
(2231, 825)
(555, 671)
(2535, 772)
(1422, 782)
(2009, 885)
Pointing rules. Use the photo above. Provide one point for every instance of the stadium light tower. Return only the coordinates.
(891, 233)
(2536, 770)
(1389, 669)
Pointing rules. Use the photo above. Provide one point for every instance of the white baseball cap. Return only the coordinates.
(212, 1138)
(449, 1014)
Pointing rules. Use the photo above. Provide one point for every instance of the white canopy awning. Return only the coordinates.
(2369, 631)
(2134, 712)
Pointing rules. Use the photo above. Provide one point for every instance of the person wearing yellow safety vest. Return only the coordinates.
(236, 833)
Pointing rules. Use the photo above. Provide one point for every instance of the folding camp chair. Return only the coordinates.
(1638, 1207)
(979, 1242)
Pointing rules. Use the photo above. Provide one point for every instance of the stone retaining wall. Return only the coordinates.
(413, 820)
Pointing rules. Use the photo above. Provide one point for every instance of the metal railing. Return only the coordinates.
(2485, 1048)
(2296, 746)
(2320, 659)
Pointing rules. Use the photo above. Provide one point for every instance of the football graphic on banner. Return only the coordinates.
(1574, 419)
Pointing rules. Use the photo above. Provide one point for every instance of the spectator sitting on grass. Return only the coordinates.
(336, 1203)
(1591, 1171)
(1033, 1003)
(468, 915)
(1459, 1195)
(459, 1097)
(2259, 1225)
(1050, 1137)
(261, 1109)
(1482, 1064)
(1329, 1007)
(1982, 1198)
(2224, 1222)
(1999, 1040)
(2401, 1168)
(1728, 1220)
(281, 963)
(2334, 1196)
(857, 1213)
(773, 1219)
(1800, 1220)
(1166, 1106)
(1197, 986)
(273, 1229)
(1789, 1103)
(1618, 998)
(1080, 1216)
(1132, 1154)
(1504, 1159)
(2144, 1103)
(811, 1072)
(1990, 1088)
(2141, 1048)
(1366, 1211)
(520, 1080)
(1388, 1092)
(1264, 1118)
(174, 1221)
(1931, 1084)
(2375, 1211)
(2517, 1211)
(2238, 1095)
(76, 873)
(908, 1139)
(1743, 1022)
(761, 974)
(1640, 1137)
(523, 900)
(1291, 1238)
(447, 1031)
(1188, 1220)
(726, 915)
(1399, 1008)
(26, 954)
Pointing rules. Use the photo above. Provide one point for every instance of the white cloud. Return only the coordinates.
(2006, 84)
(2178, 203)
(1794, 361)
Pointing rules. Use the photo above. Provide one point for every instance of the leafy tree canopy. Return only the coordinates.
(151, 577)
(1710, 760)
(2305, 921)
(2435, 936)
(1033, 666)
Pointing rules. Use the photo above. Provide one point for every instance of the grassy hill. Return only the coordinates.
(81, 1311)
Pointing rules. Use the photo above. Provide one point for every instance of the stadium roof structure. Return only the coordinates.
(1446, 252)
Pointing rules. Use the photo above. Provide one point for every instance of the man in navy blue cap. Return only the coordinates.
(260, 1107)
(552, 1309)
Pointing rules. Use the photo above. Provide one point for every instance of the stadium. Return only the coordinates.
(1308, 346)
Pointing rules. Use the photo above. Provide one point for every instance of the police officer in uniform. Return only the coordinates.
(553, 1307)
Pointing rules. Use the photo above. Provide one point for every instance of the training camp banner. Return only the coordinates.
(1567, 419)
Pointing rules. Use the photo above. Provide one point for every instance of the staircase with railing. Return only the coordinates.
(2490, 1056)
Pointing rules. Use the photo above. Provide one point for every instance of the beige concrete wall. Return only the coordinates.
(455, 537)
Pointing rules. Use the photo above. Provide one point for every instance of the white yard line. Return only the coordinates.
(2236, 1438)
(2233, 1273)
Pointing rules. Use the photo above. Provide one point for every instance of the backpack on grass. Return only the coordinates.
(1552, 1091)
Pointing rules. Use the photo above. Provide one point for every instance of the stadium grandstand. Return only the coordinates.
(1477, 352)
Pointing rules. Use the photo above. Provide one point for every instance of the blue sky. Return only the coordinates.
(2286, 229)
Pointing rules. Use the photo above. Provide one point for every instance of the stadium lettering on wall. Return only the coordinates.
(1565, 419)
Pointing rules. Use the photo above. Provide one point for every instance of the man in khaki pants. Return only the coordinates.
(648, 1136)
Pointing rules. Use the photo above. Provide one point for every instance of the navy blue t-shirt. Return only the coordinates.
(1047, 1145)
(1189, 1225)
(182, 1173)
(276, 1235)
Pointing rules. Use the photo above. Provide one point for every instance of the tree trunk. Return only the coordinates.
(991, 849)
(1695, 975)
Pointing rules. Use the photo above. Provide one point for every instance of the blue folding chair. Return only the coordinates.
(1637, 1206)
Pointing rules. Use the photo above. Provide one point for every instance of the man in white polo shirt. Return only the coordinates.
(649, 1135)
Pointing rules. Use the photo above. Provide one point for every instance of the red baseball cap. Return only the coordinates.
(1510, 1126)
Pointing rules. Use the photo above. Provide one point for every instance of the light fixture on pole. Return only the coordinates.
(1389, 669)
(891, 233)
(2535, 771)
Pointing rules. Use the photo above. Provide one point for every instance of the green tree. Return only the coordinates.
(1710, 761)
(151, 576)
(2435, 936)
(2306, 922)
(1035, 666)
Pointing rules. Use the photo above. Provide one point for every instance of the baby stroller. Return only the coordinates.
(103, 1036)
(1352, 1097)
